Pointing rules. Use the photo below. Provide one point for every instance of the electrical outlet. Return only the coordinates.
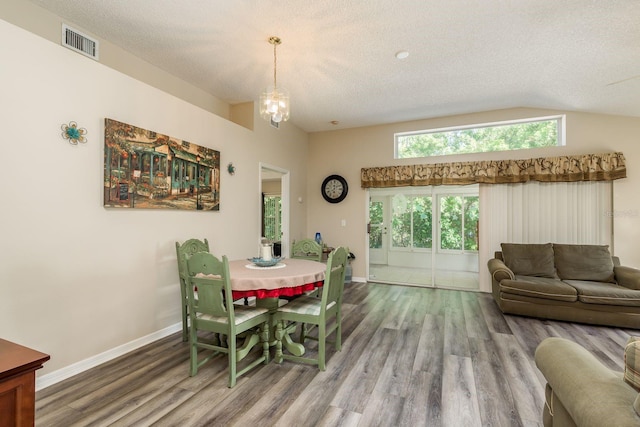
(343, 223)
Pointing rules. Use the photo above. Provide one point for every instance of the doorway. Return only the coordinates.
(274, 207)
(424, 236)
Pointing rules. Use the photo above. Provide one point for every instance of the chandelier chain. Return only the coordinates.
(275, 64)
(275, 41)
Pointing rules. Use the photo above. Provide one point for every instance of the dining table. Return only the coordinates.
(288, 278)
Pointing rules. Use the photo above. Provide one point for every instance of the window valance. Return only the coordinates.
(587, 167)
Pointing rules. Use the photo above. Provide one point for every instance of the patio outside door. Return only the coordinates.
(378, 225)
(424, 236)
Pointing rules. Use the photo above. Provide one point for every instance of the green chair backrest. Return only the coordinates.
(334, 277)
(306, 249)
(188, 248)
(214, 291)
(184, 250)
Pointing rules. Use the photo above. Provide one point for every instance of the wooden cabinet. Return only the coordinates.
(18, 366)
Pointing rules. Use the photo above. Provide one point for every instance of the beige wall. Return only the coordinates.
(271, 187)
(345, 152)
(78, 280)
(45, 24)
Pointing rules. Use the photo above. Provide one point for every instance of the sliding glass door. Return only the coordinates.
(425, 236)
(456, 255)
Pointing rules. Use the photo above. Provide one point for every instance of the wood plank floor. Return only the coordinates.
(411, 357)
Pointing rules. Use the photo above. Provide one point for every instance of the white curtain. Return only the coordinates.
(540, 212)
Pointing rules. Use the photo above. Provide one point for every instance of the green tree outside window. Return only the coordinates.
(515, 136)
(422, 230)
(375, 220)
(272, 217)
(459, 216)
(401, 226)
(412, 222)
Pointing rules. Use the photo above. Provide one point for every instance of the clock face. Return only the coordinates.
(334, 189)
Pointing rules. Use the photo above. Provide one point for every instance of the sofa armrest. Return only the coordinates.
(627, 276)
(499, 271)
(591, 393)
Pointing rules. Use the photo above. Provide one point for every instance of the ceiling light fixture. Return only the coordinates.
(402, 54)
(274, 100)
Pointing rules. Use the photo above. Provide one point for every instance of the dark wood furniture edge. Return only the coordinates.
(15, 359)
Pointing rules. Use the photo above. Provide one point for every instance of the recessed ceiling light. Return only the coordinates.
(402, 54)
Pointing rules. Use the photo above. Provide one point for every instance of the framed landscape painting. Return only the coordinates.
(147, 170)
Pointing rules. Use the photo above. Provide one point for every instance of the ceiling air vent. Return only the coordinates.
(81, 43)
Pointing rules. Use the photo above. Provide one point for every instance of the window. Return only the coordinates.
(411, 222)
(456, 219)
(376, 223)
(459, 223)
(272, 217)
(501, 136)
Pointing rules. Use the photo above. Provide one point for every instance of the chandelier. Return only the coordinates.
(274, 100)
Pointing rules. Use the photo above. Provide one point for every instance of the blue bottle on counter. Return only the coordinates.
(319, 239)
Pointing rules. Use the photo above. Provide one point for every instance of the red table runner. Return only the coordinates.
(275, 293)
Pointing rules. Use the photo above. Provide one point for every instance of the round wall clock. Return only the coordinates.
(334, 188)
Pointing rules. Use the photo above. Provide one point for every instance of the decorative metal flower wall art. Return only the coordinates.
(73, 133)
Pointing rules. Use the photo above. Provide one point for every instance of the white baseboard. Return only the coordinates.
(83, 365)
(54, 377)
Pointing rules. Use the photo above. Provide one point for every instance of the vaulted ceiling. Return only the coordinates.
(337, 57)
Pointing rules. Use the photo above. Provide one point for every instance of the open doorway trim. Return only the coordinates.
(286, 201)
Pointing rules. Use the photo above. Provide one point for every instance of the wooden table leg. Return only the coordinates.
(292, 347)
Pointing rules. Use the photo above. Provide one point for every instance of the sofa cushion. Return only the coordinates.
(636, 405)
(529, 259)
(605, 293)
(539, 287)
(584, 262)
(632, 362)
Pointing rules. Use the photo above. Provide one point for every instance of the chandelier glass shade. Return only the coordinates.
(274, 100)
(274, 104)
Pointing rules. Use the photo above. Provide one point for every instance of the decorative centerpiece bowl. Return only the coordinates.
(265, 263)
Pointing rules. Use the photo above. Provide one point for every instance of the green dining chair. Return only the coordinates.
(183, 250)
(316, 311)
(214, 311)
(306, 249)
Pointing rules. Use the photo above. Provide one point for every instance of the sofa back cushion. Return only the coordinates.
(527, 259)
(584, 262)
(632, 362)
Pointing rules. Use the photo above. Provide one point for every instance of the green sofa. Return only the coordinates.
(576, 283)
(581, 391)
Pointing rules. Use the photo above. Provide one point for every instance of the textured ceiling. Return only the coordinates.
(338, 60)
